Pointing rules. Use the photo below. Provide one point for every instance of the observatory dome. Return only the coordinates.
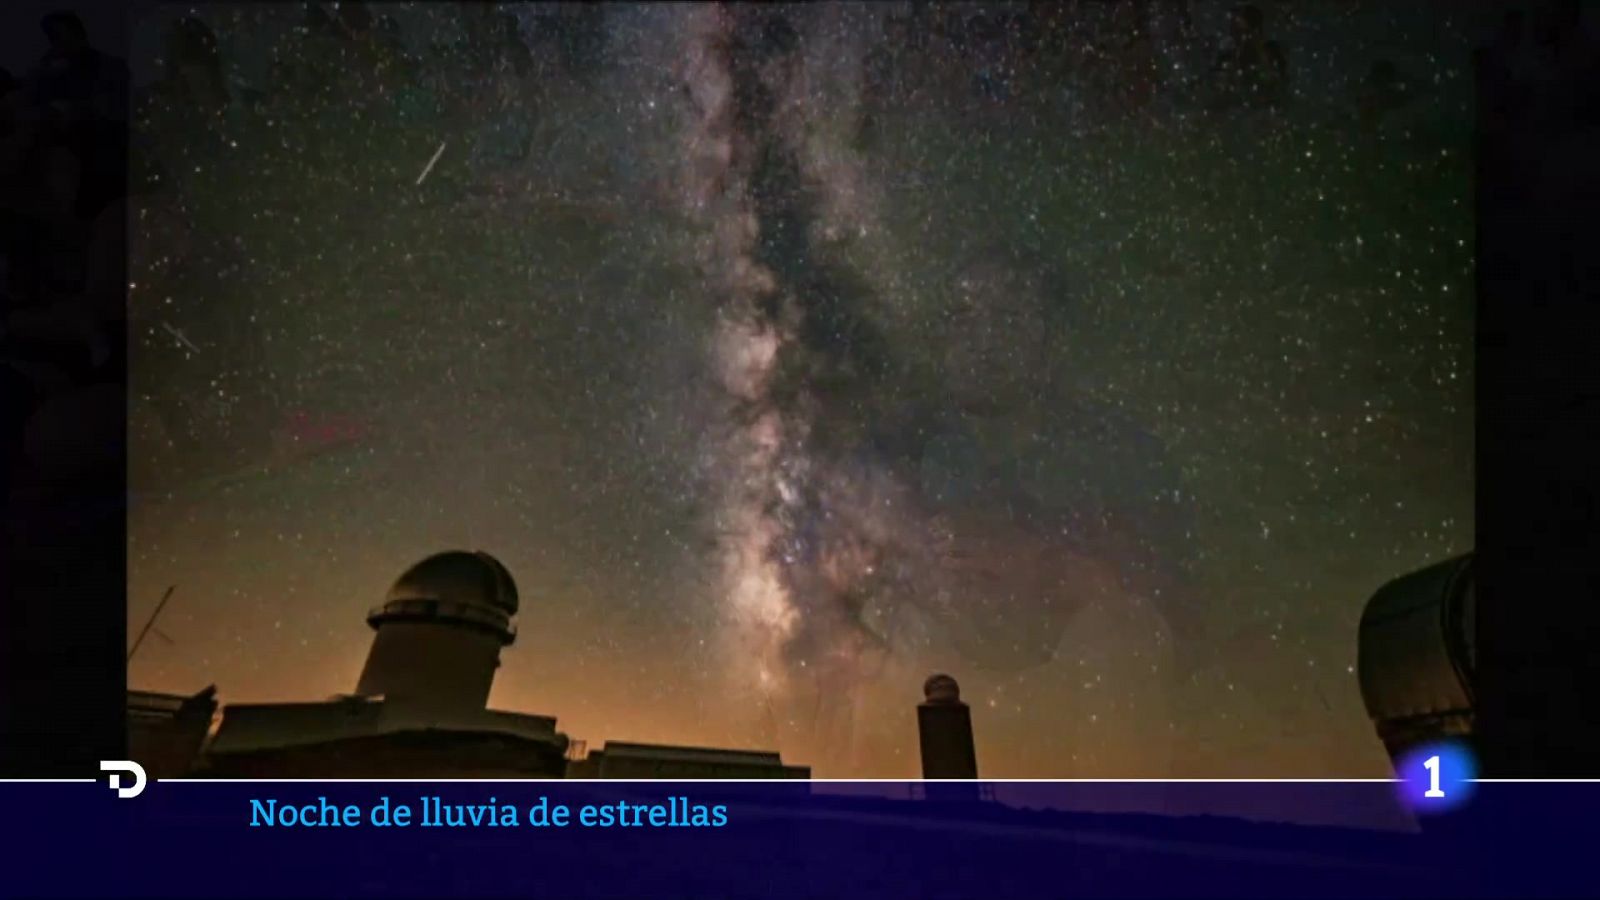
(458, 577)
(941, 689)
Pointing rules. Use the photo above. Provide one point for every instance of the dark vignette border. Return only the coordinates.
(1538, 421)
(63, 632)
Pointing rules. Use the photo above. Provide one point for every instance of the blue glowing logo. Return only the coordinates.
(1438, 777)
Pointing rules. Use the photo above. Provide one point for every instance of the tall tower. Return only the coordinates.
(944, 725)
(439, 635)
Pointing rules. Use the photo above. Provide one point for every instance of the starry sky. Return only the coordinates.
(784, 364)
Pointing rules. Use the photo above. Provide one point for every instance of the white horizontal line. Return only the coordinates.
(906, 781)
(796, 781)
(1536, 780)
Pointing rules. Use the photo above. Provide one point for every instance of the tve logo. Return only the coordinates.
(1438, 777)
(116, 767)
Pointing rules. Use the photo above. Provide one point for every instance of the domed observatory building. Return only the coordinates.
(420, 706)
(1417, 655)
(439, 634)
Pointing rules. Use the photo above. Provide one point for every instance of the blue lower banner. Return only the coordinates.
(736, 839)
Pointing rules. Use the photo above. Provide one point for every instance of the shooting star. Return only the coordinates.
(182, 338)
(429, 167)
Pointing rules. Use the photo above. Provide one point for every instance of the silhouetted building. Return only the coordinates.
(439, 635)
(1416, 657)
(359, 738)
(167, 731)
(944, 729)
(420, 707)
(621, 760)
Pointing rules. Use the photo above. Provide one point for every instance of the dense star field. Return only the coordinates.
(787, 355)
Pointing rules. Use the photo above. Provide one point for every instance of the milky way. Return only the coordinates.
(793, 356)
(836, 505)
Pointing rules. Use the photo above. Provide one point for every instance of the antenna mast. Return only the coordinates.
(151, 623)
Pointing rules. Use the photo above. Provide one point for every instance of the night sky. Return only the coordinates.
(783, 368)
